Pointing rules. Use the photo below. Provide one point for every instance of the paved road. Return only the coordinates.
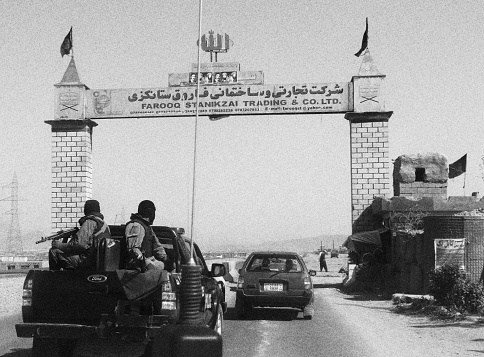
(270, 332)
(284, 332)
(278, 333)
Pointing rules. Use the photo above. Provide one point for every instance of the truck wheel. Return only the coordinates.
(242, 309)
(53, 347)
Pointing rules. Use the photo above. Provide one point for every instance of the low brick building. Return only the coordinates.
(420, 176)
(420, 194)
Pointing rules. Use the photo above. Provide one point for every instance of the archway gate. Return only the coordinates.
(223, 90)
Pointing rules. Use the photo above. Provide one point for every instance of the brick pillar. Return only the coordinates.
(370, 166)
(71, 170)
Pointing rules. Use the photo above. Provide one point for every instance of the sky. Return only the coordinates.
(259, 178)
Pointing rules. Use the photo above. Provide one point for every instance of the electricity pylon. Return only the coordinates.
(13, 244)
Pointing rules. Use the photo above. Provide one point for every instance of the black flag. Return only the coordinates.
(364, 42)
(459, 167)
(66, 44)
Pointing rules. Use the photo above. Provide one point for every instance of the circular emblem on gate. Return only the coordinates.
(97, 278)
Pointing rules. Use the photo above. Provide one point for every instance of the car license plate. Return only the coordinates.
(272, 287)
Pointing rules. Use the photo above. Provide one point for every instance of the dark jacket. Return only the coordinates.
(150, 246)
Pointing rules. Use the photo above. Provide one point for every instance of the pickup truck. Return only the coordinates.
(61, 307)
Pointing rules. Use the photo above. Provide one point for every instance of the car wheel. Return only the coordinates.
(219, 320)
(308, 312)
(242, 309)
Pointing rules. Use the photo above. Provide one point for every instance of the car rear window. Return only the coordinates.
(282, 263)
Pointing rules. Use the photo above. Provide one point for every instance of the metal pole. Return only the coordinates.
(192, 262)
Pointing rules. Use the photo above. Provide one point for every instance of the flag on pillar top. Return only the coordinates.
(364, 42)
(66, 46)
(458, 168)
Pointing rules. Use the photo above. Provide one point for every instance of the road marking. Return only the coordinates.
(265, 341)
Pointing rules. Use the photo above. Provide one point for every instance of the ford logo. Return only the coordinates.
(97, 278)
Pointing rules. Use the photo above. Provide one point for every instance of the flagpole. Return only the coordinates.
(72, 43)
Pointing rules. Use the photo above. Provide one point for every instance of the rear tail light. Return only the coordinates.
(240, 282)
(307, 283)
(168, 297)
(27, 293)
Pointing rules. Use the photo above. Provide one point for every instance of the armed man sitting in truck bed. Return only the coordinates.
(143, 246)
(144, 273)
(81, 251)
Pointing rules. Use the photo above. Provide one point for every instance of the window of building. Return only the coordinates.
(420, 174)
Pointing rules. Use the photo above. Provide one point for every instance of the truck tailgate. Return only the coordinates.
(72, 297)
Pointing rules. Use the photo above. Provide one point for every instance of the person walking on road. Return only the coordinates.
(322, 261)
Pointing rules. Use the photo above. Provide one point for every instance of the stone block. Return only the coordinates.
(409, 298)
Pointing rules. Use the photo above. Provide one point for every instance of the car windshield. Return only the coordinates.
(280, 263)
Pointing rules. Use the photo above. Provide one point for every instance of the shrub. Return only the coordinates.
(369, 277)
(468, 296)
(451, 289)
(442, 283)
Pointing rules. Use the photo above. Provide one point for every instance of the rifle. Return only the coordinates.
(59, 235)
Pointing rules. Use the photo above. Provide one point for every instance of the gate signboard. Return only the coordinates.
(235, 99)
(217, 90)
(450, 252)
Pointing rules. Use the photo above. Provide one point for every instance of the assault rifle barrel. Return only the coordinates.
(59, 235)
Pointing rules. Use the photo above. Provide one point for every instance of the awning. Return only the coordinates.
(368, 237)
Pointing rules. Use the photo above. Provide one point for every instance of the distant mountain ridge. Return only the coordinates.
(299, 245)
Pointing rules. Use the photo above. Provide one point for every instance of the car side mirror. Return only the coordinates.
(218, 270)
(312, 272)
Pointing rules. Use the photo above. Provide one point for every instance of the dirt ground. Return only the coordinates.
(398, 334)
